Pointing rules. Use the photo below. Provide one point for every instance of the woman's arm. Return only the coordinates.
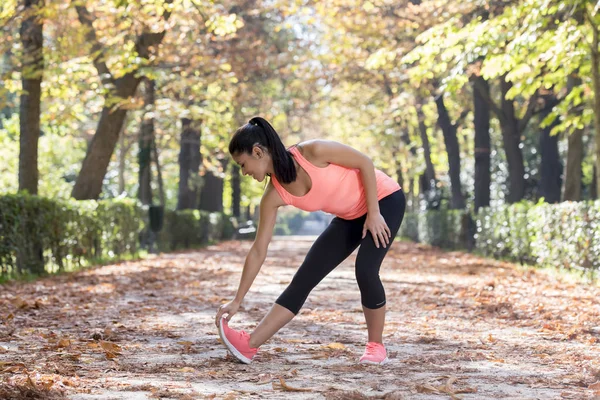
(269, 204)
(326, 151)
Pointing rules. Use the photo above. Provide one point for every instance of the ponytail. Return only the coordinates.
(258, 131)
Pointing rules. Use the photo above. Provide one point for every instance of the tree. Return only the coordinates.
(29, 111)
(481, 118)
(146, 144)
(120, 90)
(189, 165)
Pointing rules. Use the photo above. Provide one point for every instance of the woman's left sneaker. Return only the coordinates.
(374, 354)
(237, 342)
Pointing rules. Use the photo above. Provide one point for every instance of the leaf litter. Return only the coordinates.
(458, 327)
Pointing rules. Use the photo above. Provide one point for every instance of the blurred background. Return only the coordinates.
(115, 117)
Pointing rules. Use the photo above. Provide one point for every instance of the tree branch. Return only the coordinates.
(531, 111)
(461, 118)
(86, 19)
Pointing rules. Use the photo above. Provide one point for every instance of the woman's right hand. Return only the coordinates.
(230, 309)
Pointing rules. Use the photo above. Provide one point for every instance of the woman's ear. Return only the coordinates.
(257, 152)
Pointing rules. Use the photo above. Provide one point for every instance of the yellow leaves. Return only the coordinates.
(335, 346)
(368, 6)
(223, 25)
(7, 9)
(380, 58)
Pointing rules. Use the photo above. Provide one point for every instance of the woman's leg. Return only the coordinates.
(368, 262)
(332, 247)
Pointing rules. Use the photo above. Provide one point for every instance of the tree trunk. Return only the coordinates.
(29, 113)
(453, 150)
(211, 197)
(427, 180)
(511, 135)
(99, 153)
(161, 186)
(572, 190)
(595, 53)
(594, 185)
(481, 115)
(189, 166)
(145, 144)
(551, 167)
(236, 191)
(31, 259)
(429, 170)
(122, 158)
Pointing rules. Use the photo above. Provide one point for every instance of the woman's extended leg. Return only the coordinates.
(332, 247)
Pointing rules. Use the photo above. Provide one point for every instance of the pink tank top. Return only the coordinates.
(335, 189)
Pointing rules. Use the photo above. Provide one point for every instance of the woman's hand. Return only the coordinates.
(230, 309)
(378, 228)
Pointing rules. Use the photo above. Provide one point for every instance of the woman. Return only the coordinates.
(316, 175)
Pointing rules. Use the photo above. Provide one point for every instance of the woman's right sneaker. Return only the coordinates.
(237, 342)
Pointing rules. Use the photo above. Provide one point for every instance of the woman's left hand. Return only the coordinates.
(378, 228)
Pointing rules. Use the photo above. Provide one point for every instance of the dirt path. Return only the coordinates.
(458, 327)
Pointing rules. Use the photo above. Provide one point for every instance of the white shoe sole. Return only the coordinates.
(385, 361)
(231, 347)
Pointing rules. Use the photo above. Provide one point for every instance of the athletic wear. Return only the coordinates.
(374, 354)
(335, 244)
(237, 342)
(335, 189)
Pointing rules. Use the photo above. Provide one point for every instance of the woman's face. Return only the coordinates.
(257, 164)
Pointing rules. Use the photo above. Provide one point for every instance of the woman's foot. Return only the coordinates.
(374, 354)
(237, 342)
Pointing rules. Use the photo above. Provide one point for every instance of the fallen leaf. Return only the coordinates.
(110, 347)
(285, 387)
(335, 346)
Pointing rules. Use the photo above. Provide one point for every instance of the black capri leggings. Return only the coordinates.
(334, 245)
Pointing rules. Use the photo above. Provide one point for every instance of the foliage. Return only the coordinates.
(63, 234)
(503, 232)
(442, 228)
(193, 228)
(565, 235)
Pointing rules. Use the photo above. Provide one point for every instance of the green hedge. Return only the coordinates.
(441, 228)
(502, 232)
(192, 228)
(39, 235)
(564, 235)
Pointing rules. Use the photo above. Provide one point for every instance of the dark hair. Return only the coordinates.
(258, 132)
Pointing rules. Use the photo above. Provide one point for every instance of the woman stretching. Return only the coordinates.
(316, 175)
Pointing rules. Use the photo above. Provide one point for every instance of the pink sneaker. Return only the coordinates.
(237, 342)
(374, 354)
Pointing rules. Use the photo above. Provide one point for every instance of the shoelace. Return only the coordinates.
(371, 348)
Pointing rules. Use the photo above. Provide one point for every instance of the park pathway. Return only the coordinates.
(458, 326)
